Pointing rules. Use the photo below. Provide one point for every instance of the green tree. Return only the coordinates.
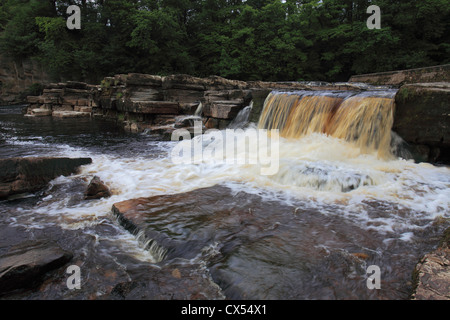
(20, 37)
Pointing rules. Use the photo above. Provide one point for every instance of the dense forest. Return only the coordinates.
(270, 40)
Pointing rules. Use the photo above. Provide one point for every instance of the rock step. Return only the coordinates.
(26, 265)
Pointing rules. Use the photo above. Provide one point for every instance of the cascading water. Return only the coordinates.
(364, 119)
(241, 119)
(338, 190)
(199, 110)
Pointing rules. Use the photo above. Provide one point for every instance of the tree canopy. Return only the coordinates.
(270, 40)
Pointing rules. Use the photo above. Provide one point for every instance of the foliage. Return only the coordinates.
(248, 40)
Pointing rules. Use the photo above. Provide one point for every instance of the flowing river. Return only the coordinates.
(328, 212)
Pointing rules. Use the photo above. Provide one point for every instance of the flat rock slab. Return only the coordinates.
(71, 114)
(26, 265)
(27, 175)
(41, 112)
(256, 248)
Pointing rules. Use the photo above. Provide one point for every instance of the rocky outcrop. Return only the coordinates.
(28, 175)
(17, 77)
(432, 273)
(26, 265)
(398, 78)
(63, 100)
(148, 102)
(422, 119)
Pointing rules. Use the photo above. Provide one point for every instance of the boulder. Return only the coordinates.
(27, 175)
(26, 265)
(185, 122)
(224, 109)
(97, 189)
(422, 117)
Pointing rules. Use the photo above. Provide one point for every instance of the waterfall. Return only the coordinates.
(198, 112)
(362, 118)
(242, 118)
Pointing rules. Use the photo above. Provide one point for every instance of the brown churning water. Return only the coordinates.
(364, 119)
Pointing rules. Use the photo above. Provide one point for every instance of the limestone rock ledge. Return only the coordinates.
(432, 273)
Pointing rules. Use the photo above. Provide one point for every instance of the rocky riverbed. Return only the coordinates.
(141, 227)
(216, 243)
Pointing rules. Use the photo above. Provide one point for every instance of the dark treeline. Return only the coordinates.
(268, 40)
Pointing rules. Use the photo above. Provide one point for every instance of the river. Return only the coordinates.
(336, 210)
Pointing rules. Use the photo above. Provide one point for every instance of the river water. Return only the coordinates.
(345, 204)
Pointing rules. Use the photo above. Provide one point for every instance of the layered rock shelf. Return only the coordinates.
(63, 100)
(159, 105)
(147, 102)
(402, 77)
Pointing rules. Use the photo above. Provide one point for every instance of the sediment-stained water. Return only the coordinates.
(331, 209)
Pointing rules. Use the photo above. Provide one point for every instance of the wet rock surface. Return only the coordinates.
(26, 265)
(259, 249)
(422, 120)
(170, 282)
(97, 189)
(24, 175)
(34, 258)
(432, 273)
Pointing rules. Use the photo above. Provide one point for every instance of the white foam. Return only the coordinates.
(415, 192)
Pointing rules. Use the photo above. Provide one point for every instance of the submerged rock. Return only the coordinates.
(27, 175)
(170, 282)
